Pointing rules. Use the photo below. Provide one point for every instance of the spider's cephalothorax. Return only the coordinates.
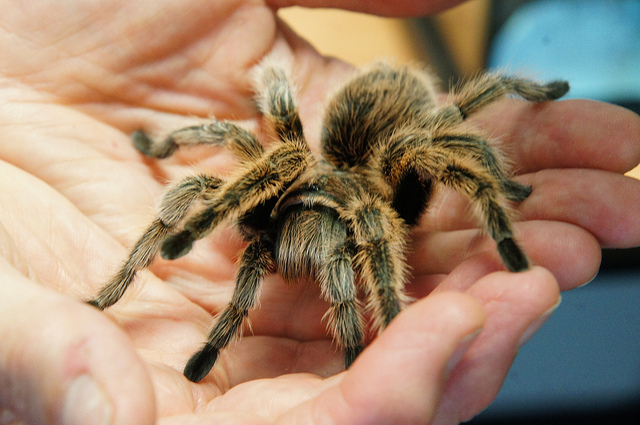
(342, 218)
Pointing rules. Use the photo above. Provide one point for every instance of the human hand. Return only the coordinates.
(75, 86)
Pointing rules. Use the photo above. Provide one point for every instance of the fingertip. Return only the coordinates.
(118, 372)
(85, 402)
(546, 292)
(457, 309)
(516, 305)
(64, 361)
(534, 291)
(545, 281)
(431, 328)
(408, 364)
(105, 380)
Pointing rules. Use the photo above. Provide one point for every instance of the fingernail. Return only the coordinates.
(537, 324)
(86, 404)
(461, 350)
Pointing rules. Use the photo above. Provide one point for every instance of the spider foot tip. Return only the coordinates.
(142, 142)
(176, 246)
(557, 89)
(95, 303)
(200, 364)
(145, 145)
(512, 256)
(517, 192)
(350, 355)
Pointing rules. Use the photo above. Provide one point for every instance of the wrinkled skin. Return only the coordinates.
(78, 77)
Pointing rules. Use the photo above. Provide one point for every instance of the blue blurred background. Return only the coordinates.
(594, 44)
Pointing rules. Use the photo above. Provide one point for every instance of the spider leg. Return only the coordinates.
(484, 190)
(379, 235)
(476, 147)
(262, 181)
(265, 177)
(256, 262)
(339, 289)
(174, 206)
(415, 154)
(241, 142)
(277, 105)
(275, 99)
(480, 91)
(316, 242)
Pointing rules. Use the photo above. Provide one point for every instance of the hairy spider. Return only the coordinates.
(342, 218)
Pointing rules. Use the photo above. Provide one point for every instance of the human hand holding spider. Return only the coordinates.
(71, 92)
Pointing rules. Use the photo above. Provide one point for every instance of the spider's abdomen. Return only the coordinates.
(371, 106)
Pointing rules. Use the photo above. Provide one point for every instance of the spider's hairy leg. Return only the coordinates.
(261, 181)
(172, 209)
(241, 142)
(476, 147)
(276, 100)
(265, 177)
(478, 92)
(256, 262)
(316, 242)
(414, 153)
(380, 237)
(339, 289)
(482, 188)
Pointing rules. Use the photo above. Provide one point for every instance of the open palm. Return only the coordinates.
(78, 78)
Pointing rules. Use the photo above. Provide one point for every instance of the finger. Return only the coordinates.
(516, 304)
(382, 8)
(102, 175)
(48, 230)
(62, 362)
(602, 203)
(399, 378)
(564, 134)
(571, 253)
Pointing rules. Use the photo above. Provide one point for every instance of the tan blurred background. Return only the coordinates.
(359, 38)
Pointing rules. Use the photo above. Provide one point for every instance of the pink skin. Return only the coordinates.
(75, 195)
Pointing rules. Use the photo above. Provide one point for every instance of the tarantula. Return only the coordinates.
(342, 218)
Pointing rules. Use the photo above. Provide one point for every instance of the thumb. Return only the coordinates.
(62, 362)
(400, 377)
